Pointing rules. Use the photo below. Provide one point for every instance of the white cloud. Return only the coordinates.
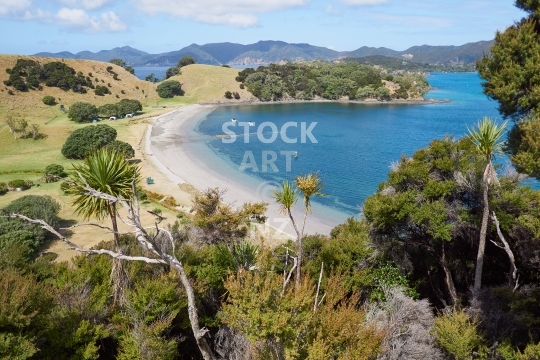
(13, 6)
(239, 13)
(94, 4)
(77, 19)
(86, 4)
(364, 2)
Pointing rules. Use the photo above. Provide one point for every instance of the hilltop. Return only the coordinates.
(265, 52)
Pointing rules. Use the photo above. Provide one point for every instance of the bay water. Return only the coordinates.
(352, 145)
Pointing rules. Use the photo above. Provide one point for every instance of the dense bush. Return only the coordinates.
(185, 61)
(16, 231)
(82, 141)
(123, 148)
(29, 74)
(228, 95)
(172, 71)
(325, 80)
(82, 112)
(127, 106)
(55, 170)
(123, 107)
(18, 183)
(169, 88)
(49, 100)
(101, 90)
(3, 188)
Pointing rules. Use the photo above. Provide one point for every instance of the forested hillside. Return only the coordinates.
(322, 80)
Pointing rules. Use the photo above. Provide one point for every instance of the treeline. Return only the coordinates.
(308, 81)
(396, 65)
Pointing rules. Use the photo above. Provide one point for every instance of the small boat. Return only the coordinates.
(233, 119)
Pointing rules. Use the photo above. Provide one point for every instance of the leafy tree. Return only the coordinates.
(105, 170)
(126, 106)
(228, 95)
(487, 138)
(118, 62)
(87, 139)
(82, 112)
(169, 88)
(172, 71)
(122, 147)
(151, 77)
(109, 110)
(49, 100)
(185, 61)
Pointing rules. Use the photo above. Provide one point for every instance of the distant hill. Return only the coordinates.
(392, 64)
(264, 52)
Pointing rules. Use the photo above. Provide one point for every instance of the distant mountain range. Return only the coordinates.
(264, 52)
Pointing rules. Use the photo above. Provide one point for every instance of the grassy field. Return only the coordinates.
(27, 158)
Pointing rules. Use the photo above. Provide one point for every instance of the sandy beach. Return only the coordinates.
(180, 153)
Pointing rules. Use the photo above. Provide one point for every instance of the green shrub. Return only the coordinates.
(16, 231)
(49, 100)
(101, 90)
(228, 95)
(122, 147)
(242, 86)
(236, 95)
(18, 183)
(3, 188)
(82, 112)
(55, 170)
(169, 88)
(82, 141)
(458, 335)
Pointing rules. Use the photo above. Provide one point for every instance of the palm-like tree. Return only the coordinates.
(286, 196)
(487, 138)
(310, 185)
(109, 172)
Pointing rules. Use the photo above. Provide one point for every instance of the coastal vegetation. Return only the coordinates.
(322, 80)
(400, 65)
(168, 89)
(400, 283)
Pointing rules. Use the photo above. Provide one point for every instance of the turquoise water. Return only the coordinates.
(356, 143)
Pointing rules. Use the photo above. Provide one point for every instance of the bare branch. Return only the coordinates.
(295, 259)
(318, 288)
(513, 280)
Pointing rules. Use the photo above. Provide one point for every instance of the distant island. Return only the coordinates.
(266, 52)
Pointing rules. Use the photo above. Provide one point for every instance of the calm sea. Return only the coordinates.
(143, 71)
(355, 143)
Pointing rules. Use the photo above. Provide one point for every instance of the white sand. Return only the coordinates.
(180, 153)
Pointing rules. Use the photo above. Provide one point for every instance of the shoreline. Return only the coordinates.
(361, 102)
(181, 154)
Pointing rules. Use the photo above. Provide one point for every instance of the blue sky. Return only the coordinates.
(31, 26)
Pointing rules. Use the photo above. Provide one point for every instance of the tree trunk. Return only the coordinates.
(199, 333)
(300, 249)
(118, 274)
(482, 242)
(448, 278)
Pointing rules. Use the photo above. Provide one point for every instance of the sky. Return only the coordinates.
(156, 26)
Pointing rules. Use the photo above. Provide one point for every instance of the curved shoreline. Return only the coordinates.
(362, 102)
(182, 155)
